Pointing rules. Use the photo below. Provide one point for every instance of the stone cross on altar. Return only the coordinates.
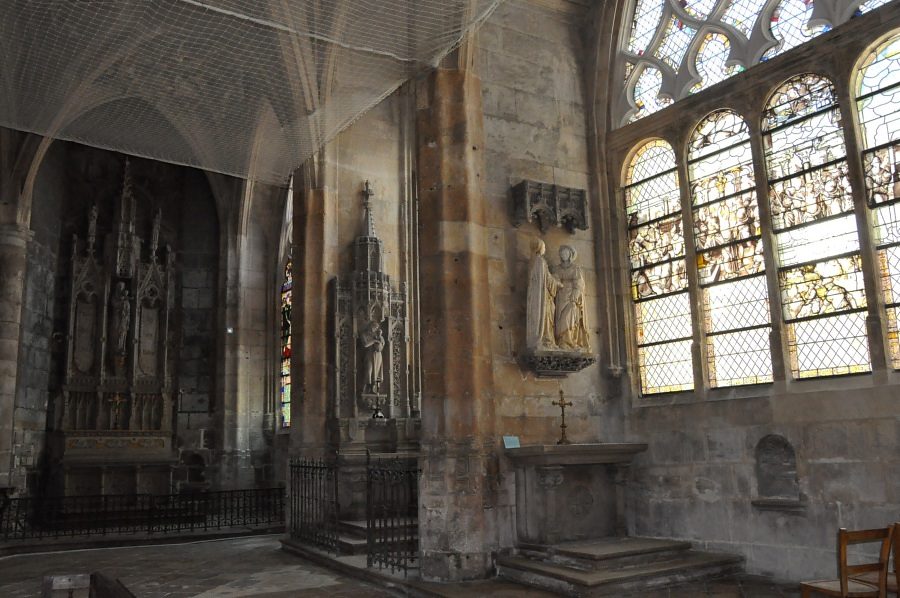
(562, 404)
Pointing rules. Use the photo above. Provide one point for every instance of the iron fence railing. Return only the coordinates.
(314, 503)
(52, 517)
(392, 507)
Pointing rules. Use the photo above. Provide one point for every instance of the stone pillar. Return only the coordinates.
(457, 405)
(13, 253)
(314, 263)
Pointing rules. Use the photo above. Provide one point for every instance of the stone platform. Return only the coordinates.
(613, 566)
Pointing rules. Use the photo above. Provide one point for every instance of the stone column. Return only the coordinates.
(457, 405)
(13, 253)
(314, 263)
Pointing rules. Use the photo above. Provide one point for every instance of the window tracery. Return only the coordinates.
(728, 241)
(820, 271)
(661, 43)
(878, 106)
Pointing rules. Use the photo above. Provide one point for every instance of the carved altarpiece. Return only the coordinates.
(370, 329)
(114, 419)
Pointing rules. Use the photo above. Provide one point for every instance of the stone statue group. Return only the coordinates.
(555, 313)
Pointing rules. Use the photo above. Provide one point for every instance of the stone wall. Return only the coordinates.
(530, 62)
(40, 316)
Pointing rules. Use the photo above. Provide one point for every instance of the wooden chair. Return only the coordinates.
(845, 587)
(893, 577)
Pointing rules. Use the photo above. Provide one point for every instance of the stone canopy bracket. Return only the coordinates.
(548, 205)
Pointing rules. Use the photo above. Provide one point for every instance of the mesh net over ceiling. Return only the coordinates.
(242, 87)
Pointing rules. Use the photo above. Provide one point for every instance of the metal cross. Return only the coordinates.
(562, 404)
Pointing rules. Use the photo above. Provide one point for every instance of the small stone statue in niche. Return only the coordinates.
(571, 326)
(556, 324)
(121, 319)
(373, 343)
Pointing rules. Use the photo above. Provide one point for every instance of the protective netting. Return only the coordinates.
(243, 87)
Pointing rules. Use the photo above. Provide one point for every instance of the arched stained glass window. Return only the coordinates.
(663, 35)
(662, 305)
(285, 371)
(878, 103)
(728, 240)
(820, 272)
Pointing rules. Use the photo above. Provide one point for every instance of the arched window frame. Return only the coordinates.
(882, 194)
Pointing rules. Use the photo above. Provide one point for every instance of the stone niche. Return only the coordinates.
(112, 432)
(778, 487)
(375, 411)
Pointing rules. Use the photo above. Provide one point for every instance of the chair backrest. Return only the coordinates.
(879, 536)
(895, 543)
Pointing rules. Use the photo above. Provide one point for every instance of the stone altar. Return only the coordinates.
(112, 430)
(571, 492)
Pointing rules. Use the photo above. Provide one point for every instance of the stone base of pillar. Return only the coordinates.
(456, 566)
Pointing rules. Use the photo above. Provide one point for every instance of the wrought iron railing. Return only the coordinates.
(53, 517)
(392, 490)
(314, 503)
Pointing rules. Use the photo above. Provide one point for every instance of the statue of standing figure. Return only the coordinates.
(121, 319)
(555, 315)
(373, 343)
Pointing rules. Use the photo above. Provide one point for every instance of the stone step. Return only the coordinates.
(635, 579)
(349, 545)
(605, 553)
(357, 528)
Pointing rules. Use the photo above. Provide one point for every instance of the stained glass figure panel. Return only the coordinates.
(831, 346)
(822, 288)
(659, 241)
(739, 358)
(731, 261)
(653, 281)
(807, 143)
(798, 97)
(664, 319)
(810, 196)
(286, 345)
(893, 336)
(882, 171)
(732, 219)
(666, 368)
(739, 304)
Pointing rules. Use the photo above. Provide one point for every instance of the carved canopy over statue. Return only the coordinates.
(556, 323)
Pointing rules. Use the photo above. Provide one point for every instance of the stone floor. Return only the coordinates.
(257, 567)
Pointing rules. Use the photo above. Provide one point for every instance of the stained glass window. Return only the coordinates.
(663, 52)
(822, 294)
(878, 103)
(728, 240)
(658, 270)
(285, 371)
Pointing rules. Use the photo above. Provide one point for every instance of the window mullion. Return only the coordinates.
(778, 340)
(875, 324)
(698, 345)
